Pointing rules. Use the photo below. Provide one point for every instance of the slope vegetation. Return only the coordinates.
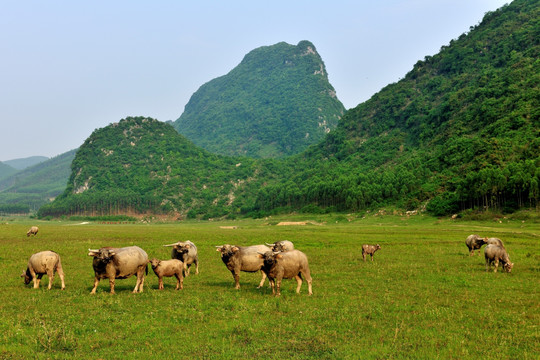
(275, 103)
(461, 129)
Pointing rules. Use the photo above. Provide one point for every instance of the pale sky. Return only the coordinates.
(70, 67)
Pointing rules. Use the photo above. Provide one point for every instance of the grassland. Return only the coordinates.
(423, 297)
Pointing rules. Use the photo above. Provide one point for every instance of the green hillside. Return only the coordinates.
(275, 103)
(6, 170)
(140, 165)
(36, 185)
(23, 163)
(460, 131)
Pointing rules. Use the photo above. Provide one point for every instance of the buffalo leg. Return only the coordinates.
(50, 274)
(262, 280)
(278, 281)
(236, 275)
(196, 266)
(96, 282)
(141, 285)
(37, 281)
(180, 281)
(60, 272)
(112, 283)
(298, 283)
(307, 275)
(272, 285)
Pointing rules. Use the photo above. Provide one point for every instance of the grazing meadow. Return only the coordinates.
(423, 296)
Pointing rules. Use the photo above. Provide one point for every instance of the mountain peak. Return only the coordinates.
(275, 103)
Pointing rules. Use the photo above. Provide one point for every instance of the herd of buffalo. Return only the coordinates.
(276, 261)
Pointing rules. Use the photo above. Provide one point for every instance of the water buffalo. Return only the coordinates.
(286, 265)
(474, 242)
(168, 268)
(119, 263)
(41, 263)
(496, 254)
(240, 258)
(369, 249)
(283, 245)
(32, 231)
(494, 241)
(185, 251)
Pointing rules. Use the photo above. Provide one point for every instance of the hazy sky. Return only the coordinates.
(70, 67)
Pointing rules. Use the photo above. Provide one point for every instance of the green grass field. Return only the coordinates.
(422, 298)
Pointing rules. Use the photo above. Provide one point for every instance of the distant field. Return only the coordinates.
(422, 298)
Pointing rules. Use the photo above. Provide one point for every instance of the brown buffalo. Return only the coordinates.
(41, 263)
(474, 242)
(242, 258)
(369, 250)
(32, 231)
(496, 254)
(185, 251)
(119, 263)
(282, 245)
(286, 265)
(168, 268)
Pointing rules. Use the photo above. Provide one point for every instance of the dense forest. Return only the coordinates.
(459, 131)
(275, 103)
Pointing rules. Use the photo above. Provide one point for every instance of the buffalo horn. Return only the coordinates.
(171, 244)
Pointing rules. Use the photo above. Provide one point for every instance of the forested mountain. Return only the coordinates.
(275, 103)
(6, 170)
(36, 185)
(459, 131)
(23, 163)
(141, 165)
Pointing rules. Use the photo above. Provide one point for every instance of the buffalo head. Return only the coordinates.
(103, 255)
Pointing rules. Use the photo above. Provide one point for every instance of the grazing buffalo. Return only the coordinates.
(494, 241)
(369, 249)
(496, 254)
(41, 263)
(474, 242)
(286, 265)
(185, 251)
(168, 268)
(283, 245)
(119, 263)
(32, 231)
(240, 258)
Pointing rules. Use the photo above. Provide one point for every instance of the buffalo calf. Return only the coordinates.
(369, 249)
(168, 268)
